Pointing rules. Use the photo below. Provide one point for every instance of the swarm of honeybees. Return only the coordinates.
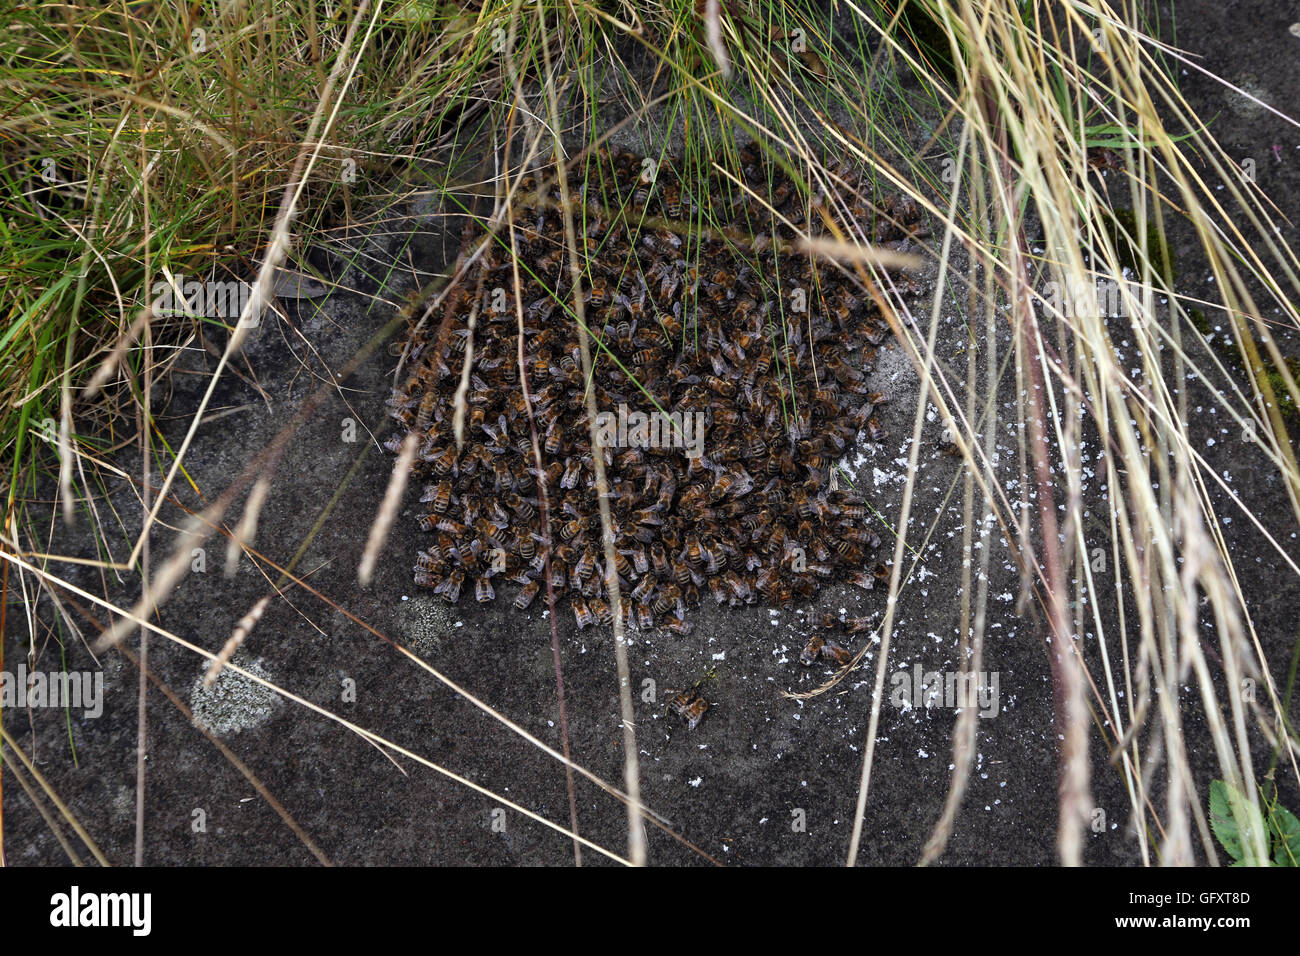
(696, 302)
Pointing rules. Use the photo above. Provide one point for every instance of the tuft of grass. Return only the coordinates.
(144, 142)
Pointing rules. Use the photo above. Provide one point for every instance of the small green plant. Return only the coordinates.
(1238, 826)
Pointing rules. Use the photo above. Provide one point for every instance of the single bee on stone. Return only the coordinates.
(690, 706)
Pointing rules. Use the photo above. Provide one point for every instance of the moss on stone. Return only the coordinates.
(1200, 321)
(1286, 405)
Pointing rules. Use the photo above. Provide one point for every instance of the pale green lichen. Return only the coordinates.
(235, 703)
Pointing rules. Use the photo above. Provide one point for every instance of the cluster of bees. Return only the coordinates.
(684, 317)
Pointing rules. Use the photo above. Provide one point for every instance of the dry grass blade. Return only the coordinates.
(235, 641)
(713, 35)
(388, 509)
(246, 531)
(631, 770)
(544, 498)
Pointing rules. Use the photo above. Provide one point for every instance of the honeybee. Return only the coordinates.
(861, 415)
(739, 586)
(745, 339)
(581, 612)
(526, 544)
(818, 463)
(874, 335)
(450, 588)
(444, 460)
(858, 536)
(452, 527)
(724, 485)
(636, 307)
(843, 372)
(523, 476)
(489, 531)
(645, 615)
(646, 357)
(522, 509)
(523, 445)
(714, 557)
(424, 413)
(722, 387)
(659, 560)
(498, 432)
(850, 512)
(601, 611)
(849, 553)
(428, 579)
(667, 598)
(648, 516)
(671, 199)
(586, 564)
(758, 368)
(766, 582)
(483, 590)
(526, 595)
(681, 627)
(862, 579)
(727, 416)
(553, 474)
(572, 472)
(834, 654)
(571, 529)
(663, 243)
(802, 503)
(690, 706)
(554, 440)
(623, 334)
(644, 588)
(694, 552)
(827, 399)
(670, 329)
(808, 656)
(622, 564)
